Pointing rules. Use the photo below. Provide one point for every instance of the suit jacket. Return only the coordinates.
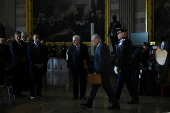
(36, 56)
(17, 52)
(102, 62)
(75, 62)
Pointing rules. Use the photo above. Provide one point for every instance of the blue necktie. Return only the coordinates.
(77, 51)
(38, 47)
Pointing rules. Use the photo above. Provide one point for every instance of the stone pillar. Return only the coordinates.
(126, 15)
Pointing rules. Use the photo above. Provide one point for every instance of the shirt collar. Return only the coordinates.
(78, 46)
(122, 40)
(98, 44)
(35, 43)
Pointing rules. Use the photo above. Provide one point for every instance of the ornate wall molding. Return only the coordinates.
(29, 17)
(150, 19)
(107, 21)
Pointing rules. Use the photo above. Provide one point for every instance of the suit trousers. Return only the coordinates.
(80, 76)
(2, 74)
(36, 78)
(109, 91)
(124, 76)
(17, 79)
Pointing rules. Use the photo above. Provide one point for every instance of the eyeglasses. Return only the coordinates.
(93, 40)
(74, 40)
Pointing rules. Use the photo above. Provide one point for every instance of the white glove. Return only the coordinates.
(150, 68)
(115, 69)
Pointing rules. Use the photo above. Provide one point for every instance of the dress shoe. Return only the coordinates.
(74, 98)
(15, 96)
(113, 107)
(87, 105)
(32, 97)
(133, 102)
(84, 98)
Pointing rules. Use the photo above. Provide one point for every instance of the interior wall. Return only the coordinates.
(20, 15)
(139, 7)
(140, 10)
(7, 16)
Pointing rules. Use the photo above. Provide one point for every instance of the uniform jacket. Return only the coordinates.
(124, 54)
(140, 56)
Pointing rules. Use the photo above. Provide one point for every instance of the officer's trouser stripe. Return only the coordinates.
(117, 81)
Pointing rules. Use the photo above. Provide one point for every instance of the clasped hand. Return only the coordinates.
(39, 65)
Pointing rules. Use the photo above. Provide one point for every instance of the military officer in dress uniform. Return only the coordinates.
(123, 67)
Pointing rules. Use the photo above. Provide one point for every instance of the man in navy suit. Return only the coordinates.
(103, 66)
(36, 56)
(18, 52)
(77, 56)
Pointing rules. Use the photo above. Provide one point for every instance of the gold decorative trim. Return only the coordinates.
(107, 21)
(29, 17)
(67, 43)
(29, 22)
(149, 20)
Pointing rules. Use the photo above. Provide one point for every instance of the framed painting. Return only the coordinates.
(158, 20)
(59, 20)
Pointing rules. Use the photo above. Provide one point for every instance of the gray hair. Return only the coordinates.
(23, 34)
(77, 37)
(96, 36)
(17, 33)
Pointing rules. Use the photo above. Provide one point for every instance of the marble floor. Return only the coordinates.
(57, 92)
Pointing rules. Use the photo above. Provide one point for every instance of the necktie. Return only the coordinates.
(38, 47)
(77, 51)
(19, 43)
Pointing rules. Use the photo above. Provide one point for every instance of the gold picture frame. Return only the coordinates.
(150, 19)
(29, 22)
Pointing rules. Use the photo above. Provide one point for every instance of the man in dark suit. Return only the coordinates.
(26, 74)
(36, 56)
(4, 59)
(123, 67)
(103, 66)
(77, 56)
(17, 49)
